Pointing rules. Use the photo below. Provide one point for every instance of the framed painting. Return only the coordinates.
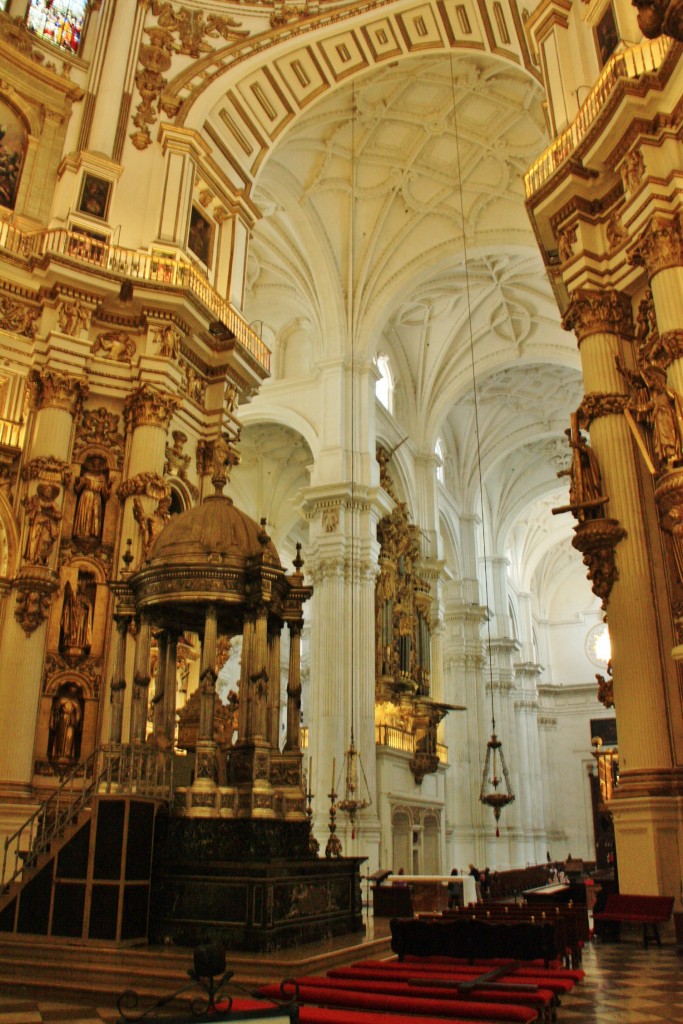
(94, 197)
(606, 35)
(200, 236)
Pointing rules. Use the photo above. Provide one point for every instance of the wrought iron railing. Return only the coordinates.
(150, 267)
(631, 63)
(123, 769)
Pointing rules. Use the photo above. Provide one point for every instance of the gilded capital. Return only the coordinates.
(598, 312)
(149, 407)
(660, 245)
(57, 390)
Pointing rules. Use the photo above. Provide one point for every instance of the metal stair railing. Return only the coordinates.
(121, 769)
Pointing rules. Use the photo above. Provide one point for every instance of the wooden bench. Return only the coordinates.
(650, 911)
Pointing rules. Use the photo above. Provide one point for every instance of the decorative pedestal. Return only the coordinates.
(252, 885)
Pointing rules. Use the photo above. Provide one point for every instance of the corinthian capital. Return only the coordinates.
(149, 407)
(54, 389)
(660, 245)
(598, 312)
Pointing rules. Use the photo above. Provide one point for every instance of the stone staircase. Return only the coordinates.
(153, 972)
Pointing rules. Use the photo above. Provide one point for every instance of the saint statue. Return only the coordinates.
(664, 412)
(43, 518)
(76, 621)
(66, 725)
(93, 488)
(586, 500)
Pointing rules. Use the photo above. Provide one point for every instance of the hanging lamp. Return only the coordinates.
(495, 769)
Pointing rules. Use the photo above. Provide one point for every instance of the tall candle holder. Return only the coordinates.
(313, 844)
(334, 846)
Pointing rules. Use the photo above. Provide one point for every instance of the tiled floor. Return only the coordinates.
(624, 984)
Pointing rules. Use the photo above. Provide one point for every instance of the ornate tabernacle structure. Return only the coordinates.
(233, 855)
(405, 713)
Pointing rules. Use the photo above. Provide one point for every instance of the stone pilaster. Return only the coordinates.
(294, 687)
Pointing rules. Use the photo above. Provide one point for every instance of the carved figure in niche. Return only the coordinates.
(93, 488)
(231, 397)
(151, 525)
(177, 462)
(73, 317)
(585, 482)
(44, 518)
(664, 413)
(66, 724)
(6, 482)
(194, 386)
(76, 620)
(115, 345)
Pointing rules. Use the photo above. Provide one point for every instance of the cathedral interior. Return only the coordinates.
(341, 445)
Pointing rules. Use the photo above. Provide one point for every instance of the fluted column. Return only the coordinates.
(56, 399)
(118, 680)
(294, 687)
(600, 320)
(148, 413)
(603, 324)
(160, 684)
(273, 669)
(170, 686)
(141, 679)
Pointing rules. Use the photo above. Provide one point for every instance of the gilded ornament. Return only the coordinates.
(660, 18)
(598, 312)
(48, 469)
(179, 31)
(566, 240)
(99, 427)
(73, 317)
(632, 170)
(615, 232)
(167, 338)
(150, 484)
(660, 245)
(32, 608)
(17, 317)
(149, 407)
(597, 539)
(600, 403)
(115, 345)
(54, 389)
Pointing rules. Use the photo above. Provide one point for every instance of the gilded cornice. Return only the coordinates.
(598, 312)
(149, 407)
(56, 390)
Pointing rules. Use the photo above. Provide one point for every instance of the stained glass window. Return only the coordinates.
(58, 21)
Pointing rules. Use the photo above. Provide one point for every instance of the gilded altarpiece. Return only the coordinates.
(405, 716)
(69, 709)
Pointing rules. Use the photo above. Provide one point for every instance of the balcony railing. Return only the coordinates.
(138, 266)
(398, 739)
(631, 63)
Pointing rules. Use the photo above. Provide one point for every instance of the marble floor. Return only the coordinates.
(624, 984)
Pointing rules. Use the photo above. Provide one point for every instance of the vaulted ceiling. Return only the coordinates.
(394, 224)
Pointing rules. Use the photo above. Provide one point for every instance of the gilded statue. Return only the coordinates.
(76, 620)
(43, 518)
(73, 317)
(664, 413)
(660, 17)
(151, 525)
(66, 724)
(586, 500)
(93, 488)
